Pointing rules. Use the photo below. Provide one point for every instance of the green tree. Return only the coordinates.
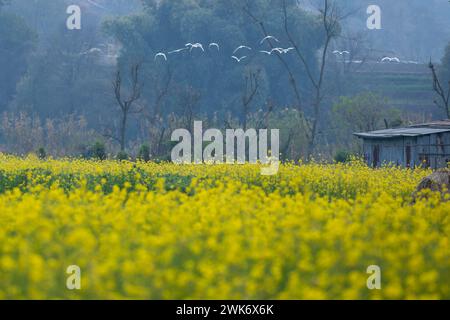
(363, 112)
(169, 25)
(16, 43)
(66, 73)
(220, 84)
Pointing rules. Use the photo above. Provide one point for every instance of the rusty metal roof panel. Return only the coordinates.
(401, 132)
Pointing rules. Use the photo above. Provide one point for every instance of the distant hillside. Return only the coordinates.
(408, 86)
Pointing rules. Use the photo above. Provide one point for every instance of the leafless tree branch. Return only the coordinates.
(126, 104)
(438, 88)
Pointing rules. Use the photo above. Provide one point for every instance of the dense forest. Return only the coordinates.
(124, 81)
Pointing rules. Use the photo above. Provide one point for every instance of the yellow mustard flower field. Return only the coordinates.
(166, 231)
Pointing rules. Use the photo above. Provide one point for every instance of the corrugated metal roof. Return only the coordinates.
(400, 132)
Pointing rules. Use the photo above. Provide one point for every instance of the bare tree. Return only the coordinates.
(153, 123)
(270, 106)
(356, 44)
(189, 98)
(287, 145)
(251, 87)
(292, 78)
(330, 17)
(439, 89)
(127, 104)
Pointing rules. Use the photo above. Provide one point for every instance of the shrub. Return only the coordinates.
(41, 153)
(122, 156)
(97, 151)
(144, 153)
(342, 156)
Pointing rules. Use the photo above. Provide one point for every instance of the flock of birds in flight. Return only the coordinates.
(215, 46)
(385, 59)
(278, 50)
(189, 47)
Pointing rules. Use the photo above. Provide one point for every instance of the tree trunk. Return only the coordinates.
(123, 129)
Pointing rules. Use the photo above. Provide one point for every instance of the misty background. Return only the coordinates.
(64, 92)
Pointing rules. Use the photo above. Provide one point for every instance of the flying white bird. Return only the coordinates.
(340, 52)
(177, 50)
(213, 44)
(269, 38)
(95, 4)
(241, 47)
(288, 49)
(238, 59)
(389, 59)
(92, 51)
(161, 54)
(279, 50)
(95, 50)
(195, 46)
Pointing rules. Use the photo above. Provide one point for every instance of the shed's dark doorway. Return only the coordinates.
(408, 156)
(376, 156)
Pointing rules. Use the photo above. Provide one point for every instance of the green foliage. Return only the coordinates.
(122, 156)
(97, 151)
(60, 79)
(342, 156)
(363, 112)
(16, 42)
(214, 75)
(42, 154)
(144, 153)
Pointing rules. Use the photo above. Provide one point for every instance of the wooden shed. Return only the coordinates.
(426, 145)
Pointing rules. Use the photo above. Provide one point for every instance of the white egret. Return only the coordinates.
(241, 47)
(389, 59)
(279, 50)
(238, 59)
(195, 46)
(288, 49)
(341, 52)
(213, 44)
(160, 54)
(269, 38)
